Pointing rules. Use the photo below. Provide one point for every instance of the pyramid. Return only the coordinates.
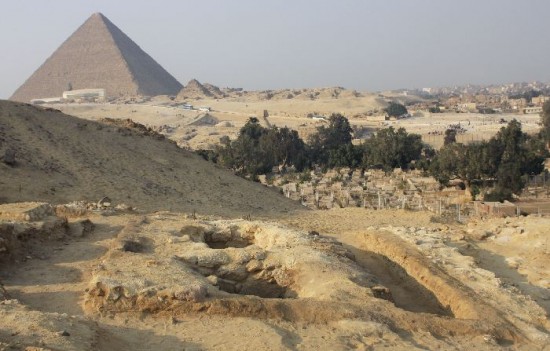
(193, 90)
(98, 55)
(214, 90)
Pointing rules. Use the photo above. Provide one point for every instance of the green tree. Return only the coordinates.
(258, 149)
(286, 146)
(545, 120)
(449, 163)
(329, 139)
(504, 159)
(450, 136)
(246, 155)
(346, 155)
(511, 140)
(535, 155)
(391, 148)
(395, 109)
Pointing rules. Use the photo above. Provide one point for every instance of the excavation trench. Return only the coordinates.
(406, 292)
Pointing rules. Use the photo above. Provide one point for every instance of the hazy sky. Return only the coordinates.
(255, 44)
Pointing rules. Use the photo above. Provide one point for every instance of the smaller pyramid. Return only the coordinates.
(194, 90)
(98, 55)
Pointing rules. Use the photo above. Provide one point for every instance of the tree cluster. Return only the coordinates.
(545, 121)
(501, 161)
(258, 149)
(331, 145)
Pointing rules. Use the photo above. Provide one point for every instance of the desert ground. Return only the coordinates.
(197, 129)
(114, 238)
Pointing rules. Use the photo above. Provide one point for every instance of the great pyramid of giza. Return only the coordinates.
(98, 55)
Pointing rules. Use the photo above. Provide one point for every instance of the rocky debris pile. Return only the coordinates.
(126, 126)
(165, 129)
(81, 208)
(24, 226)
(26, 211)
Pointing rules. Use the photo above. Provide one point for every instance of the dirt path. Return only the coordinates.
(53, 278)
(497, 264)
(54, 275)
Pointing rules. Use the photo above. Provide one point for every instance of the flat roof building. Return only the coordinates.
(95, 94)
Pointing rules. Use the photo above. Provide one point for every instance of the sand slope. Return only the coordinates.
(61, 158)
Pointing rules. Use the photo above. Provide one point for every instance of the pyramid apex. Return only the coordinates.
(98, 16)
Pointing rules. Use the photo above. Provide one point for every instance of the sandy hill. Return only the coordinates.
(98, 55)
(61, 158)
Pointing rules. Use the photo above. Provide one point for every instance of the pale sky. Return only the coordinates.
(368, 45)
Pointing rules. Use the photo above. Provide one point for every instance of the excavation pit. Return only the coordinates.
(219, 241)
(132, 246)
(256, 287)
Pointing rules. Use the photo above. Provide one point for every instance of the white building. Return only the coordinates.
(86, 94)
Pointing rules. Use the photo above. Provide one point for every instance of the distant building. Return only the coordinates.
(532, 110)
(540, 100)
(85, 94)
(517, 104)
